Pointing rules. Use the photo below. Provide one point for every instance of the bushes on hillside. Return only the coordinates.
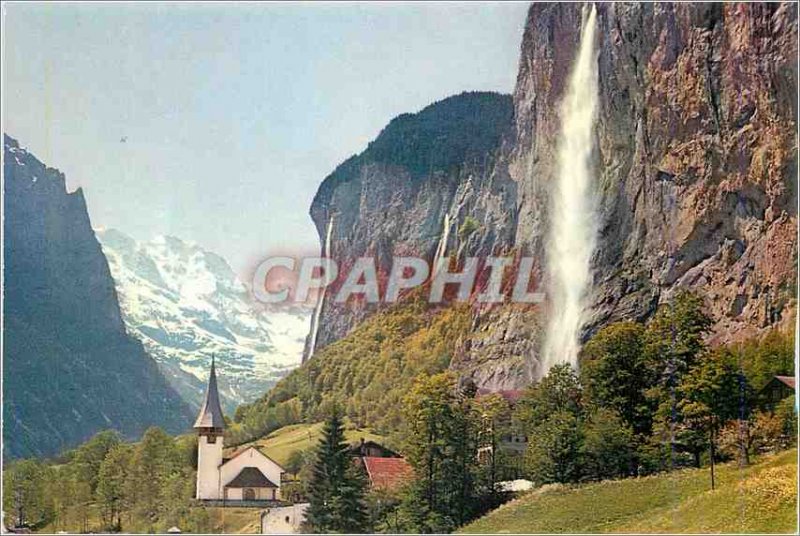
(653, 397)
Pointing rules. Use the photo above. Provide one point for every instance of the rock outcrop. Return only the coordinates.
(696, 154)
(696, 163)
(70, 369)
(392, 198)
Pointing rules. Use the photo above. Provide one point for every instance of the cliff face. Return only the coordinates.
(392, 198)
(695, 165)
(70, 369)
(696, 154)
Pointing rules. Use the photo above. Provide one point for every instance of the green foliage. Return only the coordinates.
(366, 373)
(494, 423)
(25, 497)
(111, 479)
(559, 391)
(441, 447)
(336, 497)
(467, 227)
(554, 449)
(87, 458)
(761, 498)
(772, 355)
(609, 446)
(615, 373)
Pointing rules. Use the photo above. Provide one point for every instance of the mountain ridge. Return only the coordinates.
(70, 369)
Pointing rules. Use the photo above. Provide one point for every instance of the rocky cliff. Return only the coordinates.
(696, 154)
(392, 198)
(695, 166)
(70, 368)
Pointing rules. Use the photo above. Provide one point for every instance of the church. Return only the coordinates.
(246, 475)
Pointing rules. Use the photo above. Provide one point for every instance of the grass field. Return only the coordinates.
(235, 520)
(760, 498)
(280, 444)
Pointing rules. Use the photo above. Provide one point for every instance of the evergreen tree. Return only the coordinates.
(110, 492)
(615, 374)
(712, 394)
(555, 449)
(609, 446)
(24, 496)
(560, 390)
(442, 449)
(336, 490)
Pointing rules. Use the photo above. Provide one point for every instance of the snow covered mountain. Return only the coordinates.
(185, 304)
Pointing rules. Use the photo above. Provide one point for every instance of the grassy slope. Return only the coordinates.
(760, 498)
(280, 444)
(235, 520)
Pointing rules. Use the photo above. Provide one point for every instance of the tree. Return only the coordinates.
(494, 416)
(615, 374)
(442, 449)
(110, 492)
(712, 394)
(560, 390)
(154, 460)
(767, 357)
(674, 336)
(336, 501)
(674, 340)
(555, 449)
(609, 447)
(87, 458)
(295, 463)
(23, 492)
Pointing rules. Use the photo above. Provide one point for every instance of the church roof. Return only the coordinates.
(250, 477)
(211, 413)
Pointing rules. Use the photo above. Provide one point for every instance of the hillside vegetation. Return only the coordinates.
(280, 444)
(759, 498)
(367, 373)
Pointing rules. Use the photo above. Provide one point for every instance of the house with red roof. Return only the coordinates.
(385, 469)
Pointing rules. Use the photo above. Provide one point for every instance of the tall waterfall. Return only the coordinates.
(440, 257)
(321, 298)
(572, 236)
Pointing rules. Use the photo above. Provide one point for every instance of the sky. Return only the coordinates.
(216, 123)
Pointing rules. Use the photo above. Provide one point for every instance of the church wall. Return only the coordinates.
(252, 458)
(209, 457)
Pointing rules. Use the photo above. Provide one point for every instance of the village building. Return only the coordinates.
(248, 476)
(778, 388)
(512, 442)
(385, 469)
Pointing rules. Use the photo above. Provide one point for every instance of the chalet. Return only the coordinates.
(385, 469)
(386, 473)
(372, 449)
(778, 388)
(246, 477)
(514, 443)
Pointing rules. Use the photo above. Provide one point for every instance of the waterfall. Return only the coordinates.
(441, 250)
(572, 234)
(321, 297)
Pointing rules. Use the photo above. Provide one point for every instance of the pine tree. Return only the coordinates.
(111, 479)
(336, 497)
(442, 449)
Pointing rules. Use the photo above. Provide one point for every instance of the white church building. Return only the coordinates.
(247, 475)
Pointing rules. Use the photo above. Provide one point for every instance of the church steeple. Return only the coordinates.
(211, 418)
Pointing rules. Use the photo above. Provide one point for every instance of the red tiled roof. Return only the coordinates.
(511, 395)
(788, 380)
(387, 473)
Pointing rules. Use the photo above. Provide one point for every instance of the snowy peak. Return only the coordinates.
(185, 303)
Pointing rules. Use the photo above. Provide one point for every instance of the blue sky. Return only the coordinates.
(233, 114)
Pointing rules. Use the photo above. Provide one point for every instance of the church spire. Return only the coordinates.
(211, 413)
